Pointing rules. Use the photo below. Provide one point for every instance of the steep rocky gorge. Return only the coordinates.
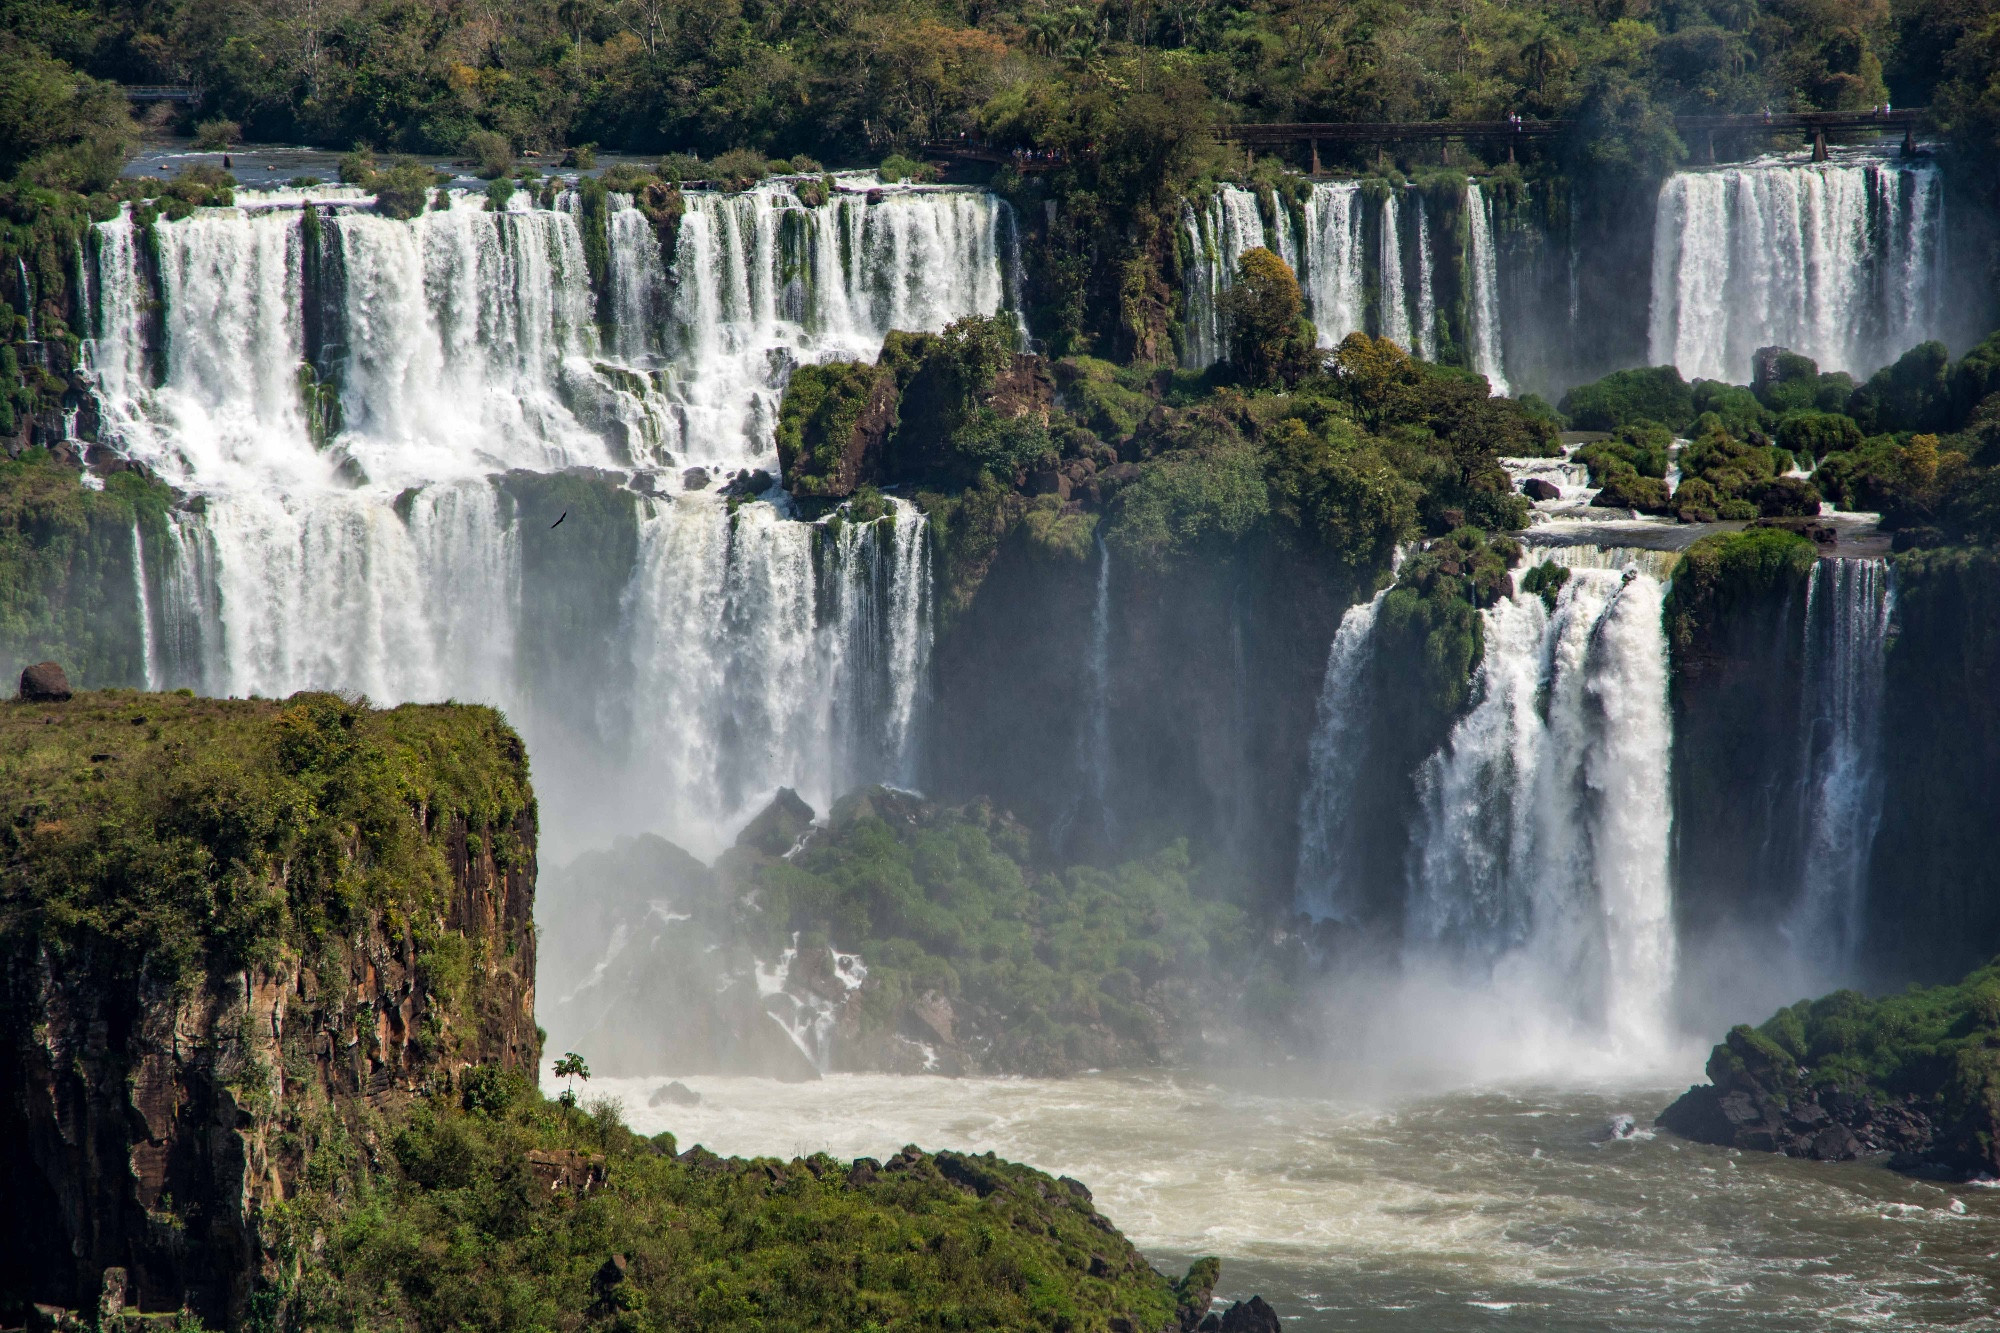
(228, 925)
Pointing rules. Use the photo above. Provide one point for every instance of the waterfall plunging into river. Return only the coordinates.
(378, 422)
(1839, 261)
(1542, 843)
(1325, 887)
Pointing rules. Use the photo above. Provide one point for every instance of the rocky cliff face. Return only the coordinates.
(164, 1069)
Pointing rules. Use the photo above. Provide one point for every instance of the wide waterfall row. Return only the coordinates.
(421, 468)
(1367, 261)
(1839, 261)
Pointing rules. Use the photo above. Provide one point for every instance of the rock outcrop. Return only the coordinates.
(162, 1072)
(1914, 1075)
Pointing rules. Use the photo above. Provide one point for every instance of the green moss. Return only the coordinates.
(68, 583)
(180, 834)
(1721, 574)
(447, 1226)
(816, 421)
(1939, 1045)
(1054, 531)
(1429, 624)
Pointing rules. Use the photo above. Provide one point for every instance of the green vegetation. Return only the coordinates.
(1940, 1044)
(1271, 341)
(492, 1208)
(1429, 622)
(184, 835)
(67, 575)
(1056, 969)
(1720, 575)
(1654, 394)
(816, 423)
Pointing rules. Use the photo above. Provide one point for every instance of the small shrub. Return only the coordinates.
(214, 136)
(497, 195)
(896, 168)
(492, 153)
(739, 169)
(583, 157)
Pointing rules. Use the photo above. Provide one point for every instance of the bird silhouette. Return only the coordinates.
(558, 523)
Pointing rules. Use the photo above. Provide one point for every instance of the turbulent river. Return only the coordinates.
(1505, 1207)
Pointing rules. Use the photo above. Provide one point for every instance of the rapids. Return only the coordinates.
(1493, 1207)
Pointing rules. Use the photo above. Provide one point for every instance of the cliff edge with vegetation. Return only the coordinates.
(268, 1057)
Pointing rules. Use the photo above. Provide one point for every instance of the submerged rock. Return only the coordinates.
(675, 1094)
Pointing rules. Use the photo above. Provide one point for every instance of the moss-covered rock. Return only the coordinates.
(69, 568)
(1916, 1075)
(833, 426)
(491, 1207)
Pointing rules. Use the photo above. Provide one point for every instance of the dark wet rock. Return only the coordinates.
(695, 479)
(1251, 1316)
(675, 1094)
(44, 683)
(1538, 488)
(779, 826)
(1759, 1099)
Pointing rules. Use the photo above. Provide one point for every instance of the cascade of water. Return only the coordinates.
(750, 674)
(1392, 308)
(1426, 287)
(1335, 758)
(1097, 736)
(1336, 292)
(1483, 306)
(1847, 628)
(1542, 845)
(1838, 261)
(1218, 235)
(149, 653)
(390, 559)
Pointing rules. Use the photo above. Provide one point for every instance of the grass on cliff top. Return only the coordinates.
(178, 830)
(1939, 1043)
(438, 1221)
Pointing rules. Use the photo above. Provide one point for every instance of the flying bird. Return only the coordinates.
(558, 523)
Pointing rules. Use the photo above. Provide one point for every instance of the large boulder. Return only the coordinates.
(779, 826)
(44, 683)
(1540, 488)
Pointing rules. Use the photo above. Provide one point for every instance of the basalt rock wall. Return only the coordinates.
(157, 1083)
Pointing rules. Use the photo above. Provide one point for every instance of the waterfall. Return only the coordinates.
(1839, 261)
(149, 652)
(1335, 761)
(1426, 287)
(1335, 290)
(1393, 308)
(1541, 849)
(1218, 234)
(1483, 304)
(1849, 606)
(412, 555)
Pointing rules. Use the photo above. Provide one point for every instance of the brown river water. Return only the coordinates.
(1499, 1208)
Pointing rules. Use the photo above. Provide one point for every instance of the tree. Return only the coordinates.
(571, 1068)
(1271, 343)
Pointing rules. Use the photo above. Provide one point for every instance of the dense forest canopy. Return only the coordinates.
(852, 79)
